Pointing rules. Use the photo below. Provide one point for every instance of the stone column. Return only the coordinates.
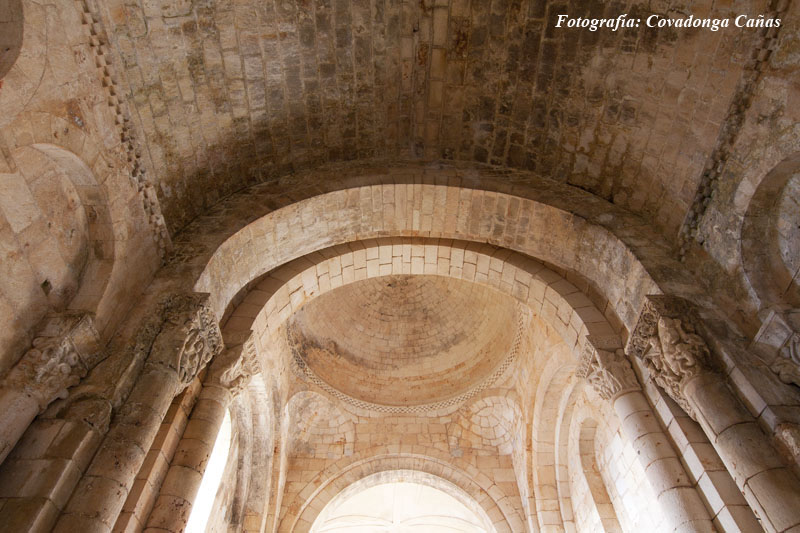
(188, 337)
(64, 350)
(228, 376)
(679, 361)
(611, 376)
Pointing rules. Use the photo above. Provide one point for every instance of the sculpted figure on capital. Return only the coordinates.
(675, 353)
(188, 336)
(666, 341)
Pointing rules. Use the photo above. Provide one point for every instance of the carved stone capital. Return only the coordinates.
(666, 340)
(608, 372)
(787, 364)
(234, 367)
(189, 336)
(778, 342)
(64, 350)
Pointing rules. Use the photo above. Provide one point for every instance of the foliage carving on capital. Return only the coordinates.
(63, 351)
(235, 366)
(189, 336)
(608, 372)
(667, 343)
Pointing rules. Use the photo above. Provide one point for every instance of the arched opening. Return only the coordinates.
(206, 494)
(771, 237)
(58, 240)
(270, 302)
(455, 148)
(267, 303)
(771, 262)
(10, 34)
(402, 500)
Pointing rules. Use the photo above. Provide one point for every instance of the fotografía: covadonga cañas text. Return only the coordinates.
(661, 21)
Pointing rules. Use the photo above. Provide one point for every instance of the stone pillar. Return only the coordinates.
(143, 493)
(611, 376)
(186, 341)
(679, 361)
(228, 376)
(64, 350)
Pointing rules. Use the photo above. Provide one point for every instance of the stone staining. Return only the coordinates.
(715, 166)
(411, 240)
(98, 39)
(404, 340)
(269, 89)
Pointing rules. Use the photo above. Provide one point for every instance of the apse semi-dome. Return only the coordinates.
(405, 340)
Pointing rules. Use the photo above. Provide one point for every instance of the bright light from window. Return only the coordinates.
(399, 507)
(201, 509)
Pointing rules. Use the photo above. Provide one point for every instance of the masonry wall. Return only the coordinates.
(62, 224)
(109, 110)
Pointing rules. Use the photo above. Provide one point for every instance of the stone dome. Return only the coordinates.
(405, 340)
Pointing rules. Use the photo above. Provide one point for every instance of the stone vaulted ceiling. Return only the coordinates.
(227, 93)
(406, 340)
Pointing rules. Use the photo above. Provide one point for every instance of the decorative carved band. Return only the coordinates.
(64, 350)
(100, 46)
(668, 344)
(608, 372)
(729, 132)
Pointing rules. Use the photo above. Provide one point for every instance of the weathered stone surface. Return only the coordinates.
(66, 348)
(631, 115)
(399, 241)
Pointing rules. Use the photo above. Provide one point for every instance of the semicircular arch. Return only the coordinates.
(235, 252)
(102, 187)
(770, 241)
(61, 251)
(415, 477)
(301, 513)
(98, 213)
(283, 292)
